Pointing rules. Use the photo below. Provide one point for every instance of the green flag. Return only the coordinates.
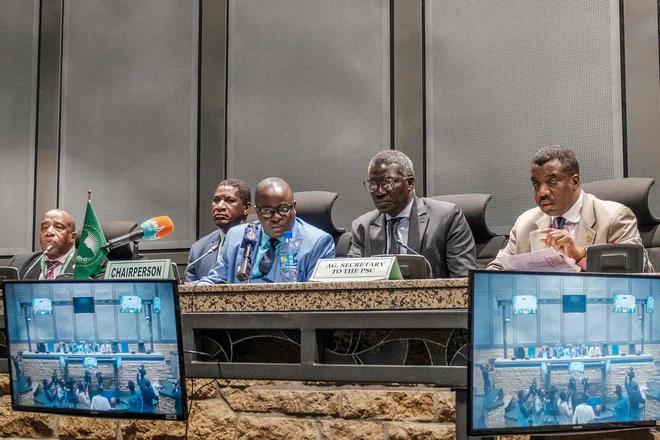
(90, 252)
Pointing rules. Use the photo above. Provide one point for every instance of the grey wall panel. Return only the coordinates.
(308, 95)
(19, 42)
(643, 92)
(129, 112)
(505, 78)
(212, 97)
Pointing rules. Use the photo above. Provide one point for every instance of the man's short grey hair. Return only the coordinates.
(393, 157)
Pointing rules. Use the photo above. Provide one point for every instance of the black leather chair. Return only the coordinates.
(633, 192)
(114, 229)
(487, 242)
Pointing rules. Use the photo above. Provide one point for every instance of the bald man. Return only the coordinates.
(57, 230)
(276, 211)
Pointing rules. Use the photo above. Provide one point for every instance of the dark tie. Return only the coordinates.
(266, 262)
(50, 269)
(561, 221)
(392, 225)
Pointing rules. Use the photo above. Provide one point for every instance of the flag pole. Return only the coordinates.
(89, 195)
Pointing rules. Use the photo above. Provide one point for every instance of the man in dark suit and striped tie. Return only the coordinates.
(57, 231)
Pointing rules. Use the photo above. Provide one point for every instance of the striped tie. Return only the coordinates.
(50, 268)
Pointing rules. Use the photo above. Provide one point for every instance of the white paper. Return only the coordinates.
(545, 260)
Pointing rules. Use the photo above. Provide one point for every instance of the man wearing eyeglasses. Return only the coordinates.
(276, 211)
(435, 229)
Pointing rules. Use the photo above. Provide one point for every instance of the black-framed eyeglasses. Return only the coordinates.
(269, 211)
(386, 184)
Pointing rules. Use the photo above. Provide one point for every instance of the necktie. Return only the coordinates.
(266, 262)
(50, 269)
(561, 221)
(393, 246)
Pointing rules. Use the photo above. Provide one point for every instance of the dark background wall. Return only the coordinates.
(151, 103)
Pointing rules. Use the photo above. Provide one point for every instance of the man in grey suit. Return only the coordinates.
(437, 230)
(230, 207)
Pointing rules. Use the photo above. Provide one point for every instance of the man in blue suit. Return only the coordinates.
(230, 207)
(276, 210)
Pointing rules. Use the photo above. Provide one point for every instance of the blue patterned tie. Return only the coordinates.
(392, 225)
(50, 269)
(266, 262)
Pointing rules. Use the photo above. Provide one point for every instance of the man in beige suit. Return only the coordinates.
(571, 218)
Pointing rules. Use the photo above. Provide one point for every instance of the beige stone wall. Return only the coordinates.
(265, 410)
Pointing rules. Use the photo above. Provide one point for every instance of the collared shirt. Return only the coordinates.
(64, 261)
(572, 217)
(403, 227)
(264, 245)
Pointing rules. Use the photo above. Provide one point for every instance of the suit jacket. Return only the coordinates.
(206, 264)
(601, 221)
(438, 231)
(23, 261)
(314, 245)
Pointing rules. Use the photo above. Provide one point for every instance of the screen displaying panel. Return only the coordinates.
(524, 305)
(83, 304)
(107, 372)
(624, 304)
(130, 304)
(575, 365)
(574, 303)
(576, 368)
(42, 306)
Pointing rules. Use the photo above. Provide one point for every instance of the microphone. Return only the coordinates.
(152, 229)
(210, 251)
(41, 257)
(249, 243)
(409, 249)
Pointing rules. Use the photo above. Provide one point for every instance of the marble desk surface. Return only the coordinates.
(344, 295)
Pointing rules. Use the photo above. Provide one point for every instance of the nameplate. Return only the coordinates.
(357, 269)
(139, 269)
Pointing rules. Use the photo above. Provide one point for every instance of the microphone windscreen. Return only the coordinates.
(157, 227)
(249, 236)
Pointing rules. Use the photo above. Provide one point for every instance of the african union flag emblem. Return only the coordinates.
(90, 253)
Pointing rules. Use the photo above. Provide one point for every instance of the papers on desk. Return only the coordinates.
(545, 260)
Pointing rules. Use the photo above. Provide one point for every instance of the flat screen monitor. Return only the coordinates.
(42, 306)
(8, 273)
(130, 304)
(89, 362)
(83, 304)
(576, 368)
(524, 305)
(574, 303)
(47, 368)
(623, 303)
(562, 367)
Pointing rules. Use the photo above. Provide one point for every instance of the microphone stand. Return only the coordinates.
(136, 251)
(428, 264)
(41, 257)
